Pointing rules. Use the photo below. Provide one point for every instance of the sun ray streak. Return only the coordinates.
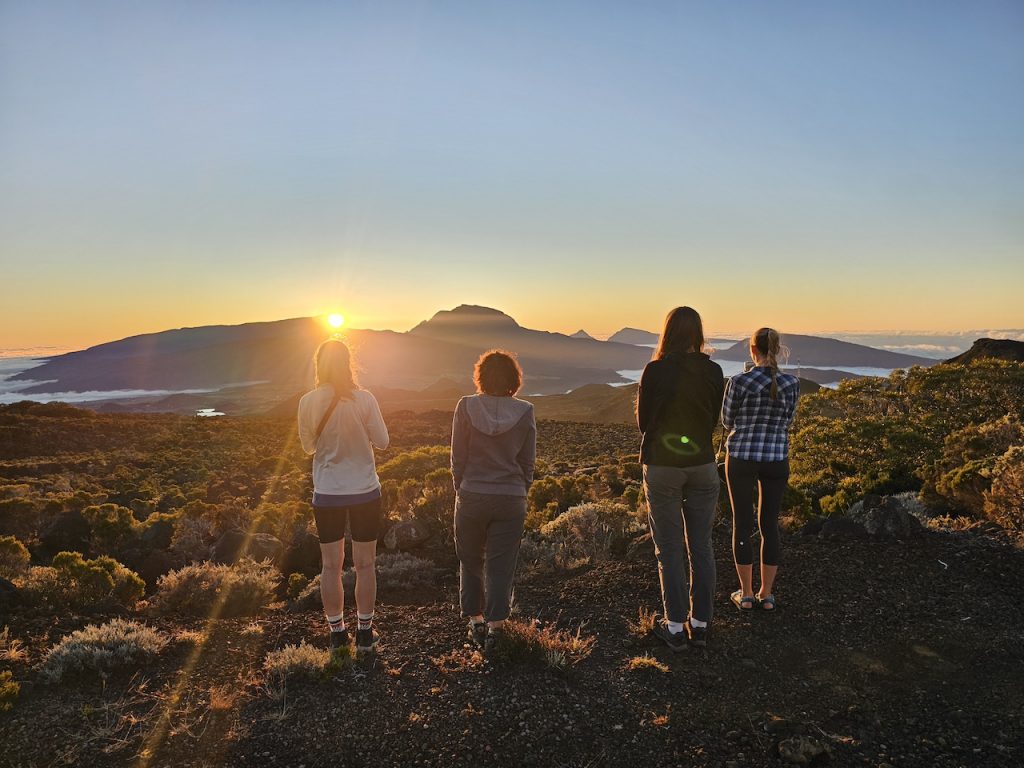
(158, 735)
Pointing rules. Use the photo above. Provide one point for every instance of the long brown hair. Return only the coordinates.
(684, 332)
(768, 342)
(333, 363)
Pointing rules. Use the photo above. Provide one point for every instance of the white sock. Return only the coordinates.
(365, 620)
(675, 627)
(336, 623)
(697, 623)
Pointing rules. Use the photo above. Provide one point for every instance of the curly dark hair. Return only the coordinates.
(497, 372)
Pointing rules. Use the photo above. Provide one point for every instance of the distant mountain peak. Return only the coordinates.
(634, 336)
(581, 334)
(466, 314)
(1000, 349)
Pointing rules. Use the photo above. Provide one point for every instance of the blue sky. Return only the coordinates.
(813, 166)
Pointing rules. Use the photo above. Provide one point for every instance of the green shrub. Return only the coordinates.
(111, 526)
(14, 557)
(200, 589)
(416, 464)
(81, 583)
(1004, 503)
(563, 492)
(102, 648)
(959, 479)
(296, 583)
(9, 690)
(591, 531)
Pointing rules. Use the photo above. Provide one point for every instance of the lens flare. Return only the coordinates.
(335, 321)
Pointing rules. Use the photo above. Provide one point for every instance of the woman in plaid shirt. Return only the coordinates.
(758, 409)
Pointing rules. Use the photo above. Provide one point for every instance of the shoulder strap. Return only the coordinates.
(324, 418)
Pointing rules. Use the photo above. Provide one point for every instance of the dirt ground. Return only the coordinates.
(900, 654)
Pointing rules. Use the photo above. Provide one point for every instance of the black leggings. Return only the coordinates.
(771, 478)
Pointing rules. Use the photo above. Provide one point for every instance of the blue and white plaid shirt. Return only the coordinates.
(757, 426)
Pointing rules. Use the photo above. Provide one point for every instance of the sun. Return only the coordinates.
(335, 321)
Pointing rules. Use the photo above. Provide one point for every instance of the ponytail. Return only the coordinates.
(767, 342)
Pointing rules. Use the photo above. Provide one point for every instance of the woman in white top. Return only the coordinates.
(341, 424)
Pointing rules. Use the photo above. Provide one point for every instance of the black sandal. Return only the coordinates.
(741, 601)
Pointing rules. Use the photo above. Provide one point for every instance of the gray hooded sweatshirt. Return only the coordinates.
(494, 445)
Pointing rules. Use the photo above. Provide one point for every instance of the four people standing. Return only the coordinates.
(681, 397)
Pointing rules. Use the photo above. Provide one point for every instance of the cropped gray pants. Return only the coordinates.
(682, 503)
(488, 532)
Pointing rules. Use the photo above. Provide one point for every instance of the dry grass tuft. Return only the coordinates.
(12, 650)
(530, 642)
(643, 624)
(645, 663)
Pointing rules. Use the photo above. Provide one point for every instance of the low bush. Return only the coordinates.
(9, 690)
(102, 648)
(14, 557)
(111, 526)
(304, 661)
(416, 464)
(74, 581)
(200, 589)
(591, 531)
(1004, 503)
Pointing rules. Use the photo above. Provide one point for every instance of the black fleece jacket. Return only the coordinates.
(678, 406)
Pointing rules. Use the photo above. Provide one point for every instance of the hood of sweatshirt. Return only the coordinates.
(495, 415)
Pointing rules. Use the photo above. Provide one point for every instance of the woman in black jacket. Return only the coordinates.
(678, 405)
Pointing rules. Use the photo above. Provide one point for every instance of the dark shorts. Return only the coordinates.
(363, 519)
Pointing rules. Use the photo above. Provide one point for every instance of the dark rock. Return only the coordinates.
(406, 534)
(803, 750)
(67, 532)
(303, 556)
(150, 564)
(234, 544)
(842, 528)
(887, 517)
(158, 534)
(8, 591)
(641, 548)
(813, 526)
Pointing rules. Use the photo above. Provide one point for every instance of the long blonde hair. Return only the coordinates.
(333, 364)
(768, 342)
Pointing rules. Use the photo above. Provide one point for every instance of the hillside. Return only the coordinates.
(997, 349)
(820, 351)
(217, 681)
(279, 354)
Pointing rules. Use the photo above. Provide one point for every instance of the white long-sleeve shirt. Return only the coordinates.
(343, 461)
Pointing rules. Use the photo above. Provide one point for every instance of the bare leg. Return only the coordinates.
(364, 555)
(331, 592)
(767, 580)
(746, 575)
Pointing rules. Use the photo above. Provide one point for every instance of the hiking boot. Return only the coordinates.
(339, 639)
(676, 641)
(697, 636)
(366, 639)
(477, 633)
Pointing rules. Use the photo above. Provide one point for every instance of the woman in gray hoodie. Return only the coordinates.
(494, 446)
